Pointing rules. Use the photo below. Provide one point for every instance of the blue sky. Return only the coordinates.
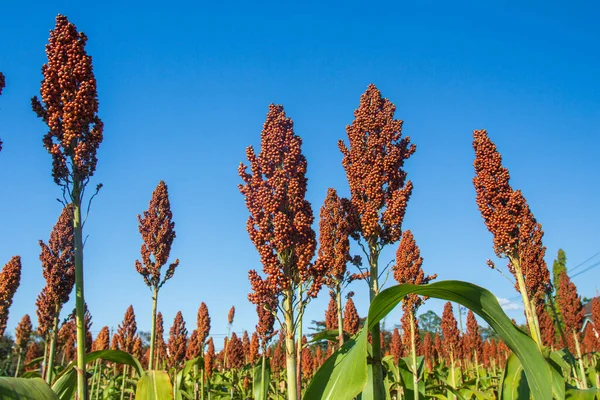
(184, 88)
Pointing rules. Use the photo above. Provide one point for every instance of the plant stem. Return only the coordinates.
(123, 382)
(376, 364)
(290, 348)
(153, 331)
(52, 347)
(79, 297)
(299, 346)
(263, 369)
(581, 368)
(338, 296)
(529, 312)
(452, 373)
(18, 363)
(414, 355)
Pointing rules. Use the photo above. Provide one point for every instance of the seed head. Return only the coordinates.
(58, 259)
(517, 234)
(253, 349)
(10, 277)
(331, 316)
(450, 329)
(209, 358)
(472, 338)
(570, 306)
(396, 346)
(231, 315)
(351, 318)
(203, 325)
(23, 333)
(193, 349)
(235, 352)
(280, 217)
(158, 232)
(33, 352)
(69, 105)
(373, 164)
(334, 243)
(126, 331)
(102, 341)
(177, 341)
(264, 327)
(546, 326)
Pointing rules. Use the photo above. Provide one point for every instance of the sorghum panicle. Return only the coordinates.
(69, 104)
(280, 222)
(158, 232)
(235, 352)
(571, 308)
(102, 341)
(209, 358)
(396, 345)
(203, 325)
(177, 341)
(472, 338)
(351, 318)
(331, 317)
(23, 332)
(126, 331)
(450, 328)
(10, 278)
(373, 164)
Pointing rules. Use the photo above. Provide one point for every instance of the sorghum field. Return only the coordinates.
(304, 253)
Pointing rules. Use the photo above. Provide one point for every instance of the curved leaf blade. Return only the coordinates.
(25, 389)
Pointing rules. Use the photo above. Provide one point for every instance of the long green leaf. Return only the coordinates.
(344, 374)
(259, 390)
(514, 382)
(483, 303)
(154, 385)
(25, 389)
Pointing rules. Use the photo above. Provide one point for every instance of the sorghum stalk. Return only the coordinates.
(338, 298)
(52, 347)
(379, 192)
(69, 107)
(415, 371)
(158, 232)
(290, 348)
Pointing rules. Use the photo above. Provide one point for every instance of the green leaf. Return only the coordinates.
(514, 382)
(25, 389)
(261, 391)
(581, 394)
(154, 385)
(483, 303)
(344, 374)
(66, 383)
(117, 356)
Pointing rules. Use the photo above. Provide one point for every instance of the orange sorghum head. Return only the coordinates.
(10, 278)
(23, 332)
(517, 234)
(158, 231)
(571, 308)
(69, 104)
(280, 222)
(177, 341)
(231, 315)
(351, 318)
(127, 330)
(450, 329)
(203, 325)
(102, 341)
(374, 167)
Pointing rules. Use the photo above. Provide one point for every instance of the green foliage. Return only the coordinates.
(25, 389)
(559, 266)
(154, 385)
(430, 322)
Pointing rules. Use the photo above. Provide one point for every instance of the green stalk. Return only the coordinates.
(18, 362)
(52, 348)
(452, 374)
(263, 368)
(45, 361)
(95, 375)
(476, 369)
(580, 359)
(290, 348)
(79, 297)
(123, 382)
(202, 383)
(414, 355)
(299, 347)
(98, 384)
(376, 364)
(338, 296)
(153, 332)
(529, 312)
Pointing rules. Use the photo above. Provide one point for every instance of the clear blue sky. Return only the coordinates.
(184, 88)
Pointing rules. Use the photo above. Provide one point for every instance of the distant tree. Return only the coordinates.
(559, 266)
(430, 322)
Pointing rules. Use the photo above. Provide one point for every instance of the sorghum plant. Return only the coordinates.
(158, 232)
(334, 250)
(177, 341)
(10, 277)
(472, 342)
(280, 227)
(58, 269)
(517, 234)
(69, 106)
(351, 318)
(451, 338)
(379, 191)
(571, 310)
(408, 270)
(22, 336)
